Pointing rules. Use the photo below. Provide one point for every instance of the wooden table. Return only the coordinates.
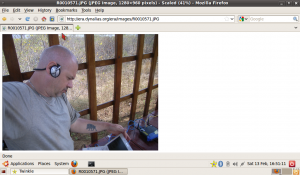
(138, 142)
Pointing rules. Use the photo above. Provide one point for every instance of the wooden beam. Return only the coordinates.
(137, 76)
(112, 61)
(128, 59)
(84, 112)
(6, 78)
(27, 75)
(105, 105)
(126, 97)
(11, 58)
(53, 39)
(132, 58)
(143, 91)
(105, 62)
(148, 55)
(91, 73)
(118, 76)
(82, 66)
(151, 76)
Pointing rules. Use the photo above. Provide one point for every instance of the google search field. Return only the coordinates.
(294, 19)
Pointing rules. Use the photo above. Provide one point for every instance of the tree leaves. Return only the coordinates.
(29, 49)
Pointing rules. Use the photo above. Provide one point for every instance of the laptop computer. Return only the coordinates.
(119, 143)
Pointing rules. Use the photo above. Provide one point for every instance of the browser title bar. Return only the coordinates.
(151, 3)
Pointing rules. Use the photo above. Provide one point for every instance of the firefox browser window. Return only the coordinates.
(225, 73)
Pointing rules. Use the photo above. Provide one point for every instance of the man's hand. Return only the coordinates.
(118, 129)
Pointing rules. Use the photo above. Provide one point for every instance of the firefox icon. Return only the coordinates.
(74, 163)
(73, 171)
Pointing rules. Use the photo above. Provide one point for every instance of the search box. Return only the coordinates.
(294, 18)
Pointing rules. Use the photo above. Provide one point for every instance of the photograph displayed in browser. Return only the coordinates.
(78, 91)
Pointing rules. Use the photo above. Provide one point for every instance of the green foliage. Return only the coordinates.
(78, 95)
(75, 43)
(4, 66)
(104, 47)
(28, 49)
(148, 43)
(129, 45)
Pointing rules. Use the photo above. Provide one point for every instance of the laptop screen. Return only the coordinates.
(117, 144)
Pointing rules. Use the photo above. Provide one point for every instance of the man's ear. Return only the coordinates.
(48, 67)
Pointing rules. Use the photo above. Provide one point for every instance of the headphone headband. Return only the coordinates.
(39, 69)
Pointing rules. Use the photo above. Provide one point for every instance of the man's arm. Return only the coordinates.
(89, 126)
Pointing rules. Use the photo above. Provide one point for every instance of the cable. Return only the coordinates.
(110, 136)
(135, 122)
(139, 123)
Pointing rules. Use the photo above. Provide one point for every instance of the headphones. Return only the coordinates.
(54, 70)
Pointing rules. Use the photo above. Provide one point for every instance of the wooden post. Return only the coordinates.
(137, 77)
(91, 73)
(118, 76)
(151, 76)
(53, 39)
(11, 58)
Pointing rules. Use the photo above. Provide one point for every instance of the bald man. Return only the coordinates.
(37, 114)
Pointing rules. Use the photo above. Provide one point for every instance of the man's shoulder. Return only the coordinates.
(13, 84)
(14, 88)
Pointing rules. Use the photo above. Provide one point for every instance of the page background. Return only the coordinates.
(229, 92)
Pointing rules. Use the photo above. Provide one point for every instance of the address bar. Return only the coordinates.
(149, 19)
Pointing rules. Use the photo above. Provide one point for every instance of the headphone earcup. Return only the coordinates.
(55, 71)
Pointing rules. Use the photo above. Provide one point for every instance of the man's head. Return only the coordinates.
(53, 56)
